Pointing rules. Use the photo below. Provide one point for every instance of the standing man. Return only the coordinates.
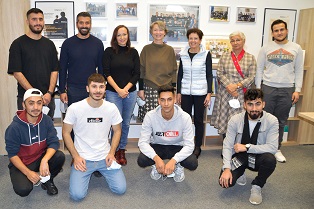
(32, 145)
(280, 75)
(91, 119)
(167, 133)
(251, 142)
(33, 61)
(81, 55)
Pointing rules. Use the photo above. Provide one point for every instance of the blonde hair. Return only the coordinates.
(161, 26)
(237, 33)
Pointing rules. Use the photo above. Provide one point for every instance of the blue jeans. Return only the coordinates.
(79, 180)
(126, 107)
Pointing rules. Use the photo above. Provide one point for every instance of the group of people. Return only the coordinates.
(95, 131)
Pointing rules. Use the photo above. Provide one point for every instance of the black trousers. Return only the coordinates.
(198, 102)
(265, 165)
(22, 185)
(167, 152)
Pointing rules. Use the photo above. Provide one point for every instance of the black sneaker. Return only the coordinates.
(197, 151)
(97, 174)
(50, 187)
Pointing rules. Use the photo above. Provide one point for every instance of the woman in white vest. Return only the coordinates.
(194, 84)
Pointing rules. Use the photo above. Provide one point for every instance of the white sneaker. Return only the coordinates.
(179, 173)
(242, 180)
(154, 174)
(256, 195)
(279, 157)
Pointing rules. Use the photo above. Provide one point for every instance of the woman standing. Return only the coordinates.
(122, 69)
(194, 86)
(236, 72)
(158, 68)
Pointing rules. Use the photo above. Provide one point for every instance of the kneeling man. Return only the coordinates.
(91, 120)
(167, 133)
(251, 142)
(32, 145)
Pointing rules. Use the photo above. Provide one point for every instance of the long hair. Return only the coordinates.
(114, 41)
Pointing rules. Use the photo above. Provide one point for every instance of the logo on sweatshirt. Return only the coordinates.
(280, 57)
(168, 133)
(94, 120)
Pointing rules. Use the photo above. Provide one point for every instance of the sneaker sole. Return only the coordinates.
(241, 184)
(255, 203)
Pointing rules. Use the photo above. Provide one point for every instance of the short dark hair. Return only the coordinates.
(96, 77)
(33, 10)
(114, 42)
(276, 22)
(166, 88)
(195, 30)
(83, 14)
(252, 94)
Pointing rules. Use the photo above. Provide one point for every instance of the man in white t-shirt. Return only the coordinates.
(91, 120)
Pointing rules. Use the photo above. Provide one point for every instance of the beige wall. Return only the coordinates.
(12, 19)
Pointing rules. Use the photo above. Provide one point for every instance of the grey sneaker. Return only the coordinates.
(242, 180)
(279, 157)
(154, 174)
(256, 195)
(179, 173)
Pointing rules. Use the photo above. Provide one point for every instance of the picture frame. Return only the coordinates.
(177, 50)
(99, 32)
(96, 9)
(126, 10)
(178, 19)
(59, 18)
(133, 33)
(246, 15)
(217, 45)
(272, 14)
(219, 13)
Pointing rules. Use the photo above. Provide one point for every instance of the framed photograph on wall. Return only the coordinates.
(270, 15)
(97, 9)
(219, 13)
(217, 45)
(133, 33)
(246, 14)
(99, 32)
(177, 50)
(59, 18)
(126, 10)
(178, 19)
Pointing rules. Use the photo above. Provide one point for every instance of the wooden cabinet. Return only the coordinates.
(300, 131)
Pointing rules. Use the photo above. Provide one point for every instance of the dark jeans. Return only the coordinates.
(265, 165)
(51, 105)
(278, 102)
(187, 101)
(22, 185)
(76, 94)
(167, 152)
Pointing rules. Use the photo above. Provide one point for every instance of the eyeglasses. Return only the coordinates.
(236, 40)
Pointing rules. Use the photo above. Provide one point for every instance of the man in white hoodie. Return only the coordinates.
(167, 133)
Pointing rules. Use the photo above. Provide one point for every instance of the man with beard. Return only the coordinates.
(81, 55)
(32, 145)
(251, 142)
(33, 61)
(91, 119)
(280, 75)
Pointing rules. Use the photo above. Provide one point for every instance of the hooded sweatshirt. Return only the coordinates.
(176, 131)
(29, 141)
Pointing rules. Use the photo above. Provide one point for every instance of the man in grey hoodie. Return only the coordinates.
(167, 133)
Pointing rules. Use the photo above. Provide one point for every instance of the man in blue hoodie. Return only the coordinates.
(32, 145)
(167, 133)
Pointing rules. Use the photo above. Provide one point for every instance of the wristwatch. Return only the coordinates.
(247, 147)
(49, 92)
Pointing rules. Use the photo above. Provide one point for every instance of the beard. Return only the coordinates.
(254, 114)
(83, 32)
(36, 31)
(96, 96)
(280, 40)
